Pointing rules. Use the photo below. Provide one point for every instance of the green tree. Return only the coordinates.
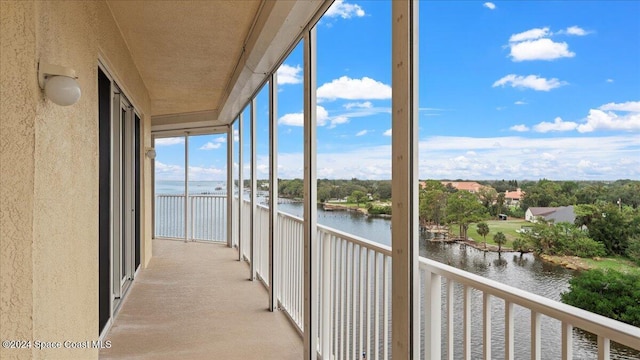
(357, 197)
(608, 293)
(464, 208)
(607, 225)
(488, 196)
(633, 251)
(500, 239)
(433, 206)
(483, 230)
(519, 245)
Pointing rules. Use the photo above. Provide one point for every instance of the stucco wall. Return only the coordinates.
(49, 178)
(18, 94)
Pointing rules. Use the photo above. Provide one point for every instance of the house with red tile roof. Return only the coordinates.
(470, 186)
(513, 197)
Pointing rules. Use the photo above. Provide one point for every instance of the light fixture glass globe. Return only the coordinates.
(62, 90)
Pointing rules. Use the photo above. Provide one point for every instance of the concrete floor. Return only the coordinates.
(195, 301)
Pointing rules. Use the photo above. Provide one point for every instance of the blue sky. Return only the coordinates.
(508, 90)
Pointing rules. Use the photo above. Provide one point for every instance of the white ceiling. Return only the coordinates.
(190, 53)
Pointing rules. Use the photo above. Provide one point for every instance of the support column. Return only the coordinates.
(186, 187)
(230, 186)
(273, 187)
(311, 250)
(404, 235)
(240, 184)
(254, 191)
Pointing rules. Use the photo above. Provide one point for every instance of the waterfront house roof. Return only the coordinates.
(555, 214)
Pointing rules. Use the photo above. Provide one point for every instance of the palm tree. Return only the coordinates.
(519, 245)
(500, 239)
(483, 230)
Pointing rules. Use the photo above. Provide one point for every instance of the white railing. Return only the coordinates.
(355, 303)
(169, 216)
(473, 287)
(355, 277)
(245, 234)
(262, 243)
(206, 217)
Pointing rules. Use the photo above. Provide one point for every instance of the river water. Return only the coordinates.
(523, 272)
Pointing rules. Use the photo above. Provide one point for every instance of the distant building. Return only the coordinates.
(513, 197)
(470, 186)
(553, 214)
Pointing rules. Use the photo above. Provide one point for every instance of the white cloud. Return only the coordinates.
(547, 156)
(354, 89)
(363, 105)
(322, 118)
(362, 132)
(387, 133)
(553, 158)
(520, 102)
(633, 106)
(344, 10)
(540, 49)
(600, 120)
(574, 30)
(603, 118)
(519, 128)
(169, 141)
(288, 74)
(609, 80)
(532, 34)
(211, 146)
(530, 81)
(489, 5)
(236, 137)
(557, 125)
(558, 158)
(337, 120)
(168, 171)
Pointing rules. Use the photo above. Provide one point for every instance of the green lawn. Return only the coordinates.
(617, 263)
(507, 227)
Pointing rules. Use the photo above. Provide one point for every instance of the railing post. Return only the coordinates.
(229, 199)
(186, 186)
(433, 324)
(240, 183)
(325, 339)
(254, 182)
(486, 323)
(567, 341)
(508, 331)
(273, 187)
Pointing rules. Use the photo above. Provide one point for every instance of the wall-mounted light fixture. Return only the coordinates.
(59, 83)
(150, 153)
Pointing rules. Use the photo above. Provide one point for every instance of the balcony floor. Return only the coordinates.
(194, 301)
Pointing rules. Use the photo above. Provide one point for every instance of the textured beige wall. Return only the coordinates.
(18, 94)
(49, 179)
